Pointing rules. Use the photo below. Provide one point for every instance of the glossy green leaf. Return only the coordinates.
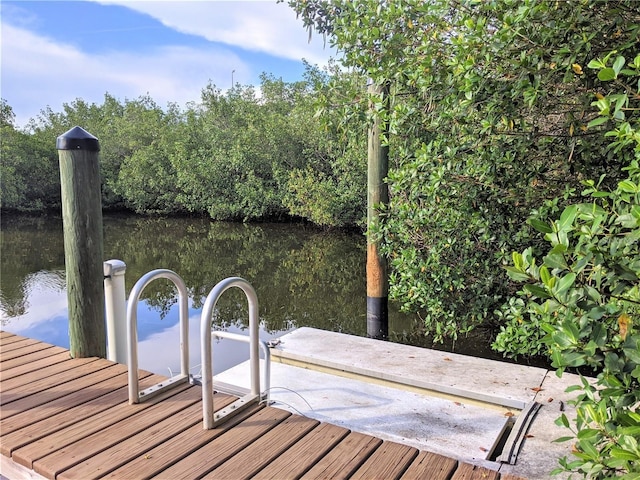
(540, 226)
(537, 291)
(606, 74)
(565, 283)
(597, 121)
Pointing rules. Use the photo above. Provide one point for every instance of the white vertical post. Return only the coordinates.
(115, 310)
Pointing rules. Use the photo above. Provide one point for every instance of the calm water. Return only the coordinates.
(302, 277)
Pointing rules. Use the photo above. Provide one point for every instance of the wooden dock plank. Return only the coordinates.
(23, 347)
(159, 458)
(51, 398)
(139, 444)
(312, 447)
(7, 339)
(97, 401)
(379, 466)
(26, 359)
(78, 430)
(70, 419)
(466, 471)
(264, 450)
(11, 343)
(63, 458)
(345, 458)
(56, 375)
(432, 466)
(22, 364)
(214, 453)
(35, 365)
(41, 374)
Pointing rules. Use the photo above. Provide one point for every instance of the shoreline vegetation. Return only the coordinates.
(489, 136)
(514, 177)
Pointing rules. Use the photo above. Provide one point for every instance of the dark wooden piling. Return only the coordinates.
(83, 249)
(378, 194)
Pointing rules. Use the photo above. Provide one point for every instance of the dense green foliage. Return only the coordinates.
(489, 119)
(239, 155)
(581, 301)
(499, 111)
(29, 176)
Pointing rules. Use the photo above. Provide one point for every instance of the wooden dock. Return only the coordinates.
(63, 418)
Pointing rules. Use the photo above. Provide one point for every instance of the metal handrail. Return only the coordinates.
(266, 375)
(135, 395)
(210, 419)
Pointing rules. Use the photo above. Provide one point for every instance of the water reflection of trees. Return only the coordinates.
(302, 276)
(28, 244)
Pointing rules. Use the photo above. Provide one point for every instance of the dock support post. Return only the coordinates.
(377, 194)
(83, 249)
(116, 310)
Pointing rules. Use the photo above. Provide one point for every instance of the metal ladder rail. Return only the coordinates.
(211, 418)
(135, 395)
(266, 375)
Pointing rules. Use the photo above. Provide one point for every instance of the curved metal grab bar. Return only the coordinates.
(266, 376)
(209, 419)
(135, 396)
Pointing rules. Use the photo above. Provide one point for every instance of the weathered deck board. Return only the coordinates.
(345, 458)
(378, 465)
(76, 434)
(159, 458)
(46, 378)
(143, 420)
(466, 471)
(10, 342)
(56, 395)
(36, 365)
(312, 447)
(431, 465)
(27, 359)
(37, 423)
(137, 445)
(23, 347)
(265, 449)
(219, 450)
(70, 419)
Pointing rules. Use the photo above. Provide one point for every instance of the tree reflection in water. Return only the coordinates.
(303, 276)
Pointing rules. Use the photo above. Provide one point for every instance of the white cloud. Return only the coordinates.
(262, 26)
(38, 72)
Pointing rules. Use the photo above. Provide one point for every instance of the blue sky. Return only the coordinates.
(53, 52)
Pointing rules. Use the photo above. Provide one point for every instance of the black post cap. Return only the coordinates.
(77, 139)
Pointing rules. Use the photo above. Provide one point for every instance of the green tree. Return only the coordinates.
(102, 121)
(238, 148)
(330, 188)
(221, 165)
(29, 178)
(581, 301)
(489, 118)
(146, 176)
(11, 185)
(236, 155)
